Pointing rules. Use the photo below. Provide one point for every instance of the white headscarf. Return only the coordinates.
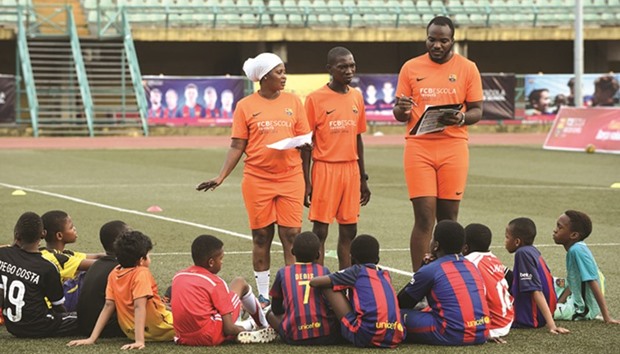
(256, 68)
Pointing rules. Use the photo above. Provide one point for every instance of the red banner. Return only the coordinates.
(574, 129)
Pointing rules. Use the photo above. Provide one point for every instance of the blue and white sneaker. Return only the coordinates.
(264, 303)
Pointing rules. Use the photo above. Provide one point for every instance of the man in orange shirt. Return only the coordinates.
(273, 181)
(436, 164)
(338, 187)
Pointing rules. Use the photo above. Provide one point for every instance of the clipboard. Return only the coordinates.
(429, 122)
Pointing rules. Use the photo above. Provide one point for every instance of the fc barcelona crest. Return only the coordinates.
(452, 78)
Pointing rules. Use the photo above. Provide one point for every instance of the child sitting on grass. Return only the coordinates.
(458, 313)
(205, 309)
(583, 298)
(132, 293)
(477, 250)
(92, 290)
(532, 284)
(370, 317)
(26, 282)
(298, 311)
(60, 232)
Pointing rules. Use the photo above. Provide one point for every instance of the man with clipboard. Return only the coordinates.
(439, 93)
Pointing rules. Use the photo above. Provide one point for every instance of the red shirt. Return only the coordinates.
(199, 297)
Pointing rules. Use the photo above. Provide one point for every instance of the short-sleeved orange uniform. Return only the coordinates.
(273, 182)
(436, 164)
(336, 120)
(127, 284)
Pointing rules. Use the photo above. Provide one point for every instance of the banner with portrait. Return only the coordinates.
(545, 94)
(201, 101)
(378, 91)
(499, 96)
(595, 128)
(7, 99)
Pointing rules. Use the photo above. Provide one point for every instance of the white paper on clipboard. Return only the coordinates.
(291, 143)
(429, 122)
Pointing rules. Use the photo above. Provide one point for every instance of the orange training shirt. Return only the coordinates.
(127, 284)
(262, 122)
(432, 84)
(336, 119)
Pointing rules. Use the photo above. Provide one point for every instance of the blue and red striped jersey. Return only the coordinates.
(306, 314)
(374, 302)
(531, 273)
(455, 293)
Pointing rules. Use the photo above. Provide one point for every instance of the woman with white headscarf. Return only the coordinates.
(273, 182)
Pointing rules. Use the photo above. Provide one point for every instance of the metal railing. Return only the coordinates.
(136, 75)
(80, 71)
(26, 72)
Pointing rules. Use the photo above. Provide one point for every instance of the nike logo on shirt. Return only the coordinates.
(256, 114)
(330, 112)
(420, 78)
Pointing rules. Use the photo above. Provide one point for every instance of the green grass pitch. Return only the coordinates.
(96, 186)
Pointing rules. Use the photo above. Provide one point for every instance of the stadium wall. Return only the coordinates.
(202, 58)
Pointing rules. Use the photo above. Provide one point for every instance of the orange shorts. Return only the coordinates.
(277, 199)
(436, 167)
(335, 192)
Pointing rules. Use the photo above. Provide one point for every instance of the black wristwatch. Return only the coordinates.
(364, 176)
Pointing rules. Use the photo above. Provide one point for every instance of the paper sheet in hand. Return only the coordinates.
(429, 122)
(290, 143)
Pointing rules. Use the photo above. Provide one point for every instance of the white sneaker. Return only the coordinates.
(247, 324)
(265, 335)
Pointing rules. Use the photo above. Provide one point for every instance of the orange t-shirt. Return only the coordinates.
(336, 119)
(261, 122)
(432, 84)
(127, 284)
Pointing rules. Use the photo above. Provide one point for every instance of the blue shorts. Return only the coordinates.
(423, 327)
(330, 339)
(352, 330)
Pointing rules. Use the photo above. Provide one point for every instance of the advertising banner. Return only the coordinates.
(378, 91)
(499, 96)
(545, 94)
(585, 129)
(7, 99)
(202, 101)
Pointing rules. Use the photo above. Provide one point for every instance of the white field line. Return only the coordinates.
(389, 185)
(129, 211)
(153, 216)
(210, 228)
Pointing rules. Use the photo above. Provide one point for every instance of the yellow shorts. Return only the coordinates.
(279, 200)
(335, 192)
(436, 167)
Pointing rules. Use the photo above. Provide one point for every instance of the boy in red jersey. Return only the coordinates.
(205, 308)
(298, 311)
(370, 317)
(532, 285)
(476, 250)
(458, 313)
